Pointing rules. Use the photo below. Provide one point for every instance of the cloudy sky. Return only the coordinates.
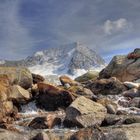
(107, 26)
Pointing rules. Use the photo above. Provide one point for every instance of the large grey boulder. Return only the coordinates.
(19, 94)
(122, 68)
(84, 112)
(18, 75)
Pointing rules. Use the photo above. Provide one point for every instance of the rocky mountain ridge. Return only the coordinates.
(60, 60)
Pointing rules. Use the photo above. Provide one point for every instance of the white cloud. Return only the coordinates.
(116, 26)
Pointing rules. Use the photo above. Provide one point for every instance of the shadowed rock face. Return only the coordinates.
(122, 68)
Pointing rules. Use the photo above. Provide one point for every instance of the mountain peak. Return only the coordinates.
(62, 60)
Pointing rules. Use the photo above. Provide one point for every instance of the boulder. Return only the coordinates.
(109, 104)
(111, 109)
(135, 102)
(112, 119)
(4, 80)
(122, 68)
(34, 90)
(18, 75)
(131, 93)
(122, 132)
(7, 111)
(84, 112)
(4, 87)
(122, 112)
(8, 107)
(110, 86)
(51, 97)
(87, 134)
(132, 85)
(3, 92)
(137, 81)
(90, 75)
(45, 122)
(18, 94)
(67, 80)
(81, 91)
(135, 54)
(37, 78)
(41, 136)
(10, 135)
(54, 135)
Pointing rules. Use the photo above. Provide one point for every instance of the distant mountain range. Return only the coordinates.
(65, 59)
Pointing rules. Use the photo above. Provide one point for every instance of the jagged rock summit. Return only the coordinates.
(61, 60)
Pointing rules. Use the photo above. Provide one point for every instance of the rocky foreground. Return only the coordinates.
(94, 106)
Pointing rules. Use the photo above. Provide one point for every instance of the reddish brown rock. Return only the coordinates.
(66, 80)
(134, 55)
(51, 97)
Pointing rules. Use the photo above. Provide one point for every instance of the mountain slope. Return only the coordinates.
(64, 59)
(61, 60)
